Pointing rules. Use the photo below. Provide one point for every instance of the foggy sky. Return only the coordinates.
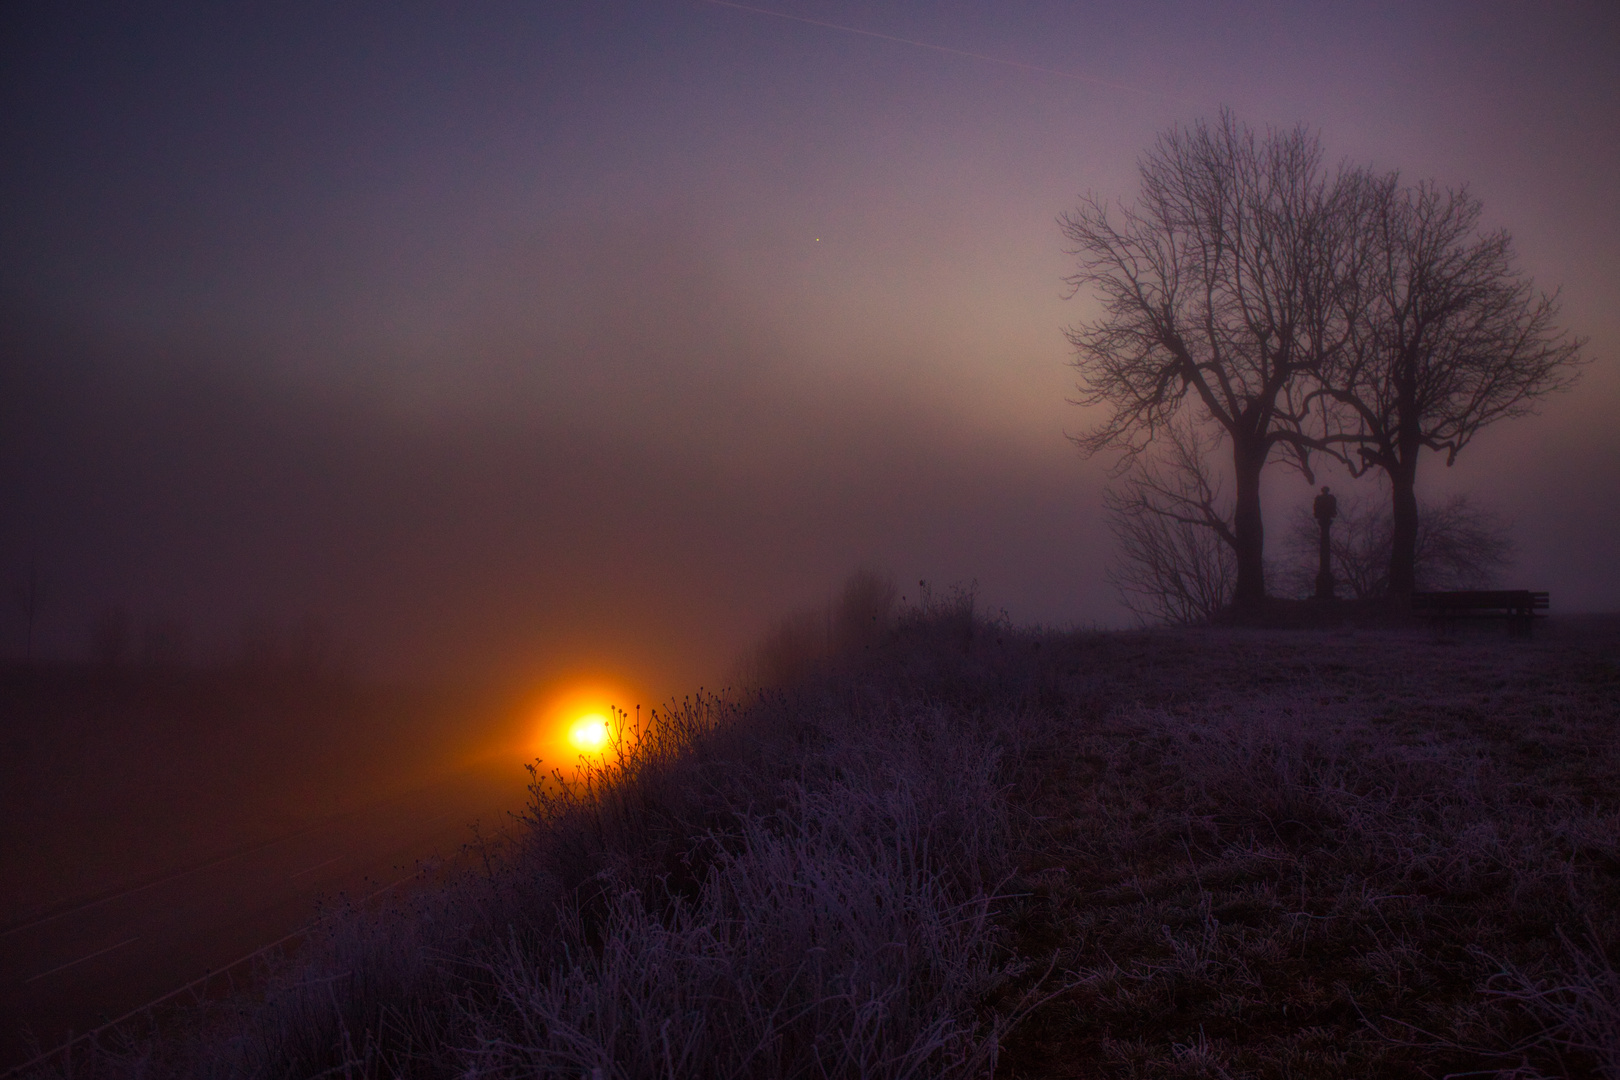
(542, 337)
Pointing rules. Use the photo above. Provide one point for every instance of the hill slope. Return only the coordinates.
(979, 850)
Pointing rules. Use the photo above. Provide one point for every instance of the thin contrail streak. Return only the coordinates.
(946, 49)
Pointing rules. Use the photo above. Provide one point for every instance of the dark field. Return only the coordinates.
(976, 850)
(1333, 855)
(159, 824)
(109, 778)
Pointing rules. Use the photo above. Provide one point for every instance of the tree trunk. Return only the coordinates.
(1248, 528)
(1403, 536)
(1401, 468)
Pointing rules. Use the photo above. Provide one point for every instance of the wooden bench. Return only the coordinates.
(1520, 607)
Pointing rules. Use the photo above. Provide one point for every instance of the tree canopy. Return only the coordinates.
(1298, 309)
(1445, 337)
(1219, 284)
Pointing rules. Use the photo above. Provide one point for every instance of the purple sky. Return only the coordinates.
(532, 336)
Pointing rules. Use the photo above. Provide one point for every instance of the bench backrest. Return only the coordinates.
(1517, 600)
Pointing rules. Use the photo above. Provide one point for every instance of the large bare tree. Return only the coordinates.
(1220, 293)
(1446, 336)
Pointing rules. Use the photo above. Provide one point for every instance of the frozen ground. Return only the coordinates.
(978, 850)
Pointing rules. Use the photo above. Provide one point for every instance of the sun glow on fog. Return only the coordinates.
(580, 723)
(589, 733)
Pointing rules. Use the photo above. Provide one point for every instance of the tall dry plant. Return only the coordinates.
(1176, 558)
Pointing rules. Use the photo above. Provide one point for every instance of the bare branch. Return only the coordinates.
(1176, 560)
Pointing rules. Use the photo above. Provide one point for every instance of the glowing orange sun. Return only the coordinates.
(589, 733)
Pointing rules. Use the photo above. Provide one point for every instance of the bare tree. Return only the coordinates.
(792, 650)
(798, 646)
(1459, 546)
(165, 644)
(109, 636)
(864, 615)
(1446, 336)
(30, 597)
(1220, 284)
(1176, 560)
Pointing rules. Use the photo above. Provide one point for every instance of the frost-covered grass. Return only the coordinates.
(1332, 855)
(982, 851)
